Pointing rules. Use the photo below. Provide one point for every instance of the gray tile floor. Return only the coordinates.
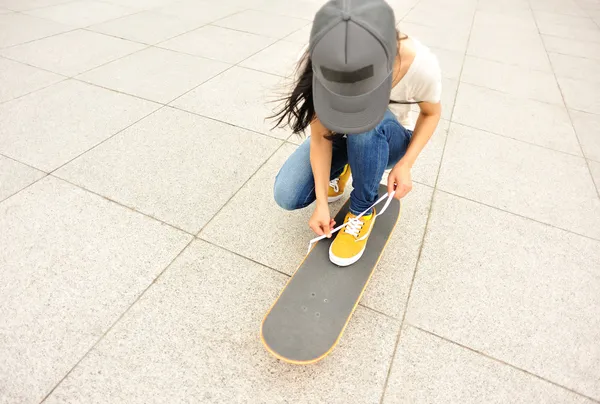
(140, 245)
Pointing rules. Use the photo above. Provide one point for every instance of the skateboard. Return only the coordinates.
(312, 311)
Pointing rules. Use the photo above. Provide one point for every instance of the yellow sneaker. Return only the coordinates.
(337, 185)
(349, 245)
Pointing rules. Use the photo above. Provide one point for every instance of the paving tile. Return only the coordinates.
(281, 240)
(435, 37)
(280, 58)
(239, 96)
(21, 28)
(82, 13)
(201, 12)
(49, 127)
(517, 7)
(567, 26)
(539, 123)
(489, 44)
(23, 5)
(441, 17)
(297, 9)
(581, 95)
(162, 166)
(147, 27)
(194, 336)
(73, 52)
(142, 4)
(155, 74)
(586, 125)
(547, 22)
(17, 79)
(575, 67)
(449, 88)
(300, 36)
(219, 43)
(512, 79)
(519, 291)
(450, 62)
(427, 165)
(15, 176)
(387, 291)
(572, 47)
(66, 278)
(542, 184)
(498, 22)
(429, 370)
(595, 168)
(557, 7)
(262, 23)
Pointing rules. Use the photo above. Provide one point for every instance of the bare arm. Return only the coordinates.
(400, 178)
(429, 117)
(320, 161)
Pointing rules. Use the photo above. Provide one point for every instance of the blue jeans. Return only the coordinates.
(369, 155)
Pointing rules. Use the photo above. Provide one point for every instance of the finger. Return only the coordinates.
(326, 230)
(391, 186)
(317, 229)
(405, 190)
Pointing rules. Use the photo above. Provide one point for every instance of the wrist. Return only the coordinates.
(405, 163)
(322, 203)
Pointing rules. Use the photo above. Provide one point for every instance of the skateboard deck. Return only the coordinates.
(310, 315)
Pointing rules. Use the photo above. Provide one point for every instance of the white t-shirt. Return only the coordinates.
(422, 82)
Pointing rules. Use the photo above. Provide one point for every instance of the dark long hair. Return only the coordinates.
(297, 110)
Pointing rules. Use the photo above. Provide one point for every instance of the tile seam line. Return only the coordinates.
(286, 274)
(119, 318)
(593, 181)
(36, 90)
(516, 96)
(39, 39)
(279, 147)
(520, 140)
(24, 188)
(231, 67)
(144, 45)
(20, 162)
(161, 106)
(500, 361)
(517, 214)
(202, 25)
(414, 272)
(121, 204)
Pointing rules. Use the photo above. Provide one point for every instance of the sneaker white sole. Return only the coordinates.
(332, 199)
(344, 262)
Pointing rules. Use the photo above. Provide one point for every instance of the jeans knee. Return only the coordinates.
(284, 197)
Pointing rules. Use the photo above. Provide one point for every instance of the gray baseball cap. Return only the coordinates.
(352, 47)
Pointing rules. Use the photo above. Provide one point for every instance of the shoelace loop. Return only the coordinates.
(334, 184)
(354, 226)
(389, 197)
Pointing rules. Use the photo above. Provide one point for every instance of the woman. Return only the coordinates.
(357, 70)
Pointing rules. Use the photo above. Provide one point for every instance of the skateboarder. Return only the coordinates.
(354, 88)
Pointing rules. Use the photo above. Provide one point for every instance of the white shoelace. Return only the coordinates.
(334, 183)
(352, 222)
(354, 226)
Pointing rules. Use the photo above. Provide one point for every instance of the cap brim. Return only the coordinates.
(370, 108)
